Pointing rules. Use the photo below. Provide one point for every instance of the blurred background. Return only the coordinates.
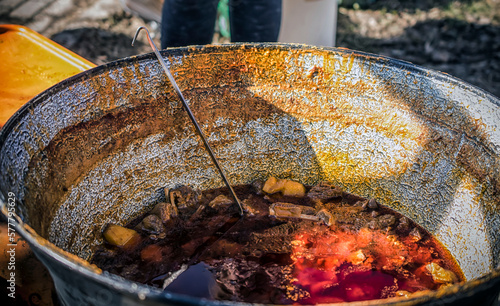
(459, 37)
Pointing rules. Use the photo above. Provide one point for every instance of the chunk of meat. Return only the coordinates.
(249, 209)
(382, 222)
(415, 235)
(220, 200)
(372, 204)
(288, 210)
(185, 198)
(151, 253)
(386, 220)
(151, 224)
(404, 225)
(326, 217)
(165, 211)
(257, 187)
(323, 192)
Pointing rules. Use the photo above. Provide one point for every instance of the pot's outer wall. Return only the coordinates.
(100, 147)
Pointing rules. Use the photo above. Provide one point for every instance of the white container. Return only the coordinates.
(312, 22)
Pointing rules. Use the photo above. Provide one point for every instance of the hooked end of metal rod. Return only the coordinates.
(137, 33)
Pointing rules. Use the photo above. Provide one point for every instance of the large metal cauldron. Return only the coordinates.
(99, 147)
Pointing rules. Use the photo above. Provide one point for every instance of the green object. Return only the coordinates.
(223, 18)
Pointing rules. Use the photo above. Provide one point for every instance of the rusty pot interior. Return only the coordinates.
(99, 147)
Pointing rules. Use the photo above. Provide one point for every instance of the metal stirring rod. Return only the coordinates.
(190, 114)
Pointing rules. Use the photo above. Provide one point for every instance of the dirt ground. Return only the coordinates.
(460, 37)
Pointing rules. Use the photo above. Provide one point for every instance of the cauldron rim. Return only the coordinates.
(195, 49)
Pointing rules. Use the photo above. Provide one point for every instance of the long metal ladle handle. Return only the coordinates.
(190, 114)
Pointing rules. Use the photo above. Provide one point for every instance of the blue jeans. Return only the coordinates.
(192, 22)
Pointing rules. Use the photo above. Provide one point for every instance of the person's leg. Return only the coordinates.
(188, 22)
(255, 20)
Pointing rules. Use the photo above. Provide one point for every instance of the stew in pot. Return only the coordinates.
(296, 245)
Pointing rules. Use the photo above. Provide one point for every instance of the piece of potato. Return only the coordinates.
(293, 189)
(273, 185)
(440, 275)
(286, 187)
(120, 236)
